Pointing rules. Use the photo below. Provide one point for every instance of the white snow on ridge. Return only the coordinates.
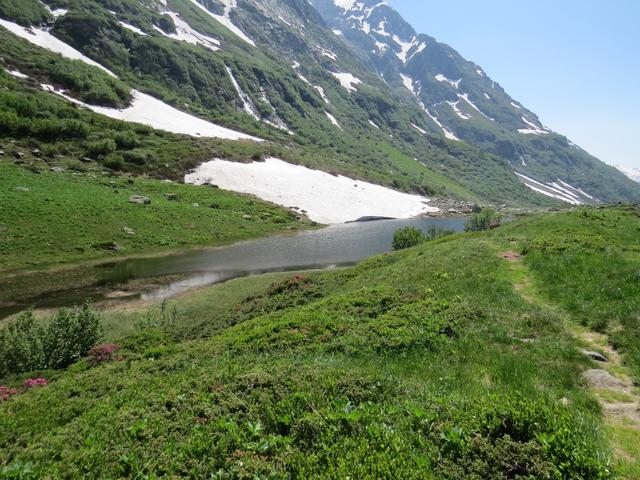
(333, 120)
(441, 78)
(344, 4)
(534, 130)
(185, 33)
(17, 74)
(458, 112)
(347, 80)
(632, 173)
(373, 125)
(247, 104)
(225, 20)
(44, 39)
(407, 47)
(465, 97)
(133, 28)
(57, 13)
(565, 192)
(322, 93)
(421, 130)
(326, 198)
(447, 133)
(150, 111)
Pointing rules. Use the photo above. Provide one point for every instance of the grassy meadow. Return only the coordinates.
(459, 358)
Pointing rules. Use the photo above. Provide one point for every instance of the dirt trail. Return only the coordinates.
(608, 379)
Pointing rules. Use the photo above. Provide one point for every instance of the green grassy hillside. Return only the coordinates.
(456, 359)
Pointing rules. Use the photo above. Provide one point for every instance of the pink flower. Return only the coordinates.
(6, 393)
(35, 382)
(104, 353)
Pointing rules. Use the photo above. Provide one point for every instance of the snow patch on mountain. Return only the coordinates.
(421, 130)
(17, 74)
(326, 198)
(559, 190)
(632, 173)
(225, 19)
(465, 97)
(133, 28)
(533, 130)
(184, 33)
(441, 78)
(247, 104)
(42, 38)
(457, 111)
(347, 80)
(150, 111)
(333, 120)
(322, 93)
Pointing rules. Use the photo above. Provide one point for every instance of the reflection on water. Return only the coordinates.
(337, 245)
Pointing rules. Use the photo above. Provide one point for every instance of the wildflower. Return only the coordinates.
(104, 353)
(35, 382)
(6, 393)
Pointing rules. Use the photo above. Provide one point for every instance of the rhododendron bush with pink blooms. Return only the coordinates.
(28, 344)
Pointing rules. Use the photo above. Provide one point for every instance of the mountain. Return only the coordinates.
(348, 89)
(461, 100)
(632, 173)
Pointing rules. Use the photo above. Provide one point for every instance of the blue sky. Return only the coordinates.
(576, 63)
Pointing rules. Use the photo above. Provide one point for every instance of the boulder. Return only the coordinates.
(173, 197)
(139, 199)
(57, 169)
(598, 357)
(128, 231)
(109, 246)
(603, 379)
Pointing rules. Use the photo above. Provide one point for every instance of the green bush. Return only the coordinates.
(435, 231)
(407, 237)
(114, 161)
(482, 220)
(70, 335)
(27, 345)
(101, 147)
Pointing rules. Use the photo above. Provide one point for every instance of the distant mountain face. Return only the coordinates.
(345, 86)
(459, 99)
(632, 173)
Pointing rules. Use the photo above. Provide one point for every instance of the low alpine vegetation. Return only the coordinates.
(28, 344)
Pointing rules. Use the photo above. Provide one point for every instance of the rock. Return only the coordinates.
(128, 231)
(21, 189)
(603, 379)
(57, 169)
(476, 208)
(18, 155)
(1, 152)
(598, 357)
(109, 246)
(139, 199)
(86, 160)
(173, 197)
(247, 217)
(36, 152)
(195, 205)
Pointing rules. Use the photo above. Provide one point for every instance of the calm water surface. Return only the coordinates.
(337, 245)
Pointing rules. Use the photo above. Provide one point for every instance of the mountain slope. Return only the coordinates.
(463, 102)
(274, 70)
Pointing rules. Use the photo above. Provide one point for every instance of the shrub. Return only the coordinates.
(407, 237)
(434, 232)
(483, 220)
(101, 147)
(114, 161)
(70, 335)
(21, 345)
(27, 345)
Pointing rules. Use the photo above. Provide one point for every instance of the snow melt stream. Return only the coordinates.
(326, 198)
